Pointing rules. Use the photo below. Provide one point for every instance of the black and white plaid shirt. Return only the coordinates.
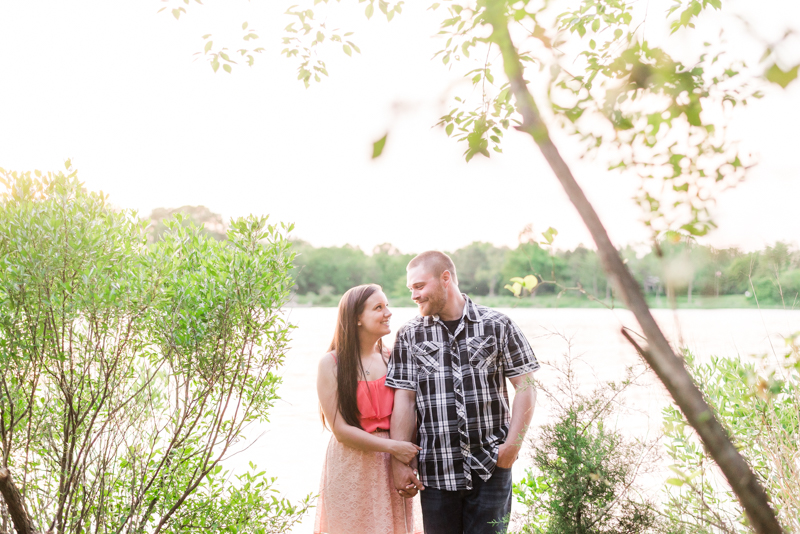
(460, 381)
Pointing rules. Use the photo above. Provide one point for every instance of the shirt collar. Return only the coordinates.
(470, 312)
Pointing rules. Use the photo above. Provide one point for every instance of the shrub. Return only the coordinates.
(583, 479)
(761, 410)
(130, 371)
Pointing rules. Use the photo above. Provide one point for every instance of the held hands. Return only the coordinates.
(404, 451)
(406, 481)
(507, 455)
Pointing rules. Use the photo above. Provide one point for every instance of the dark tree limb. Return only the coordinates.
(15, 504)
(659, 355)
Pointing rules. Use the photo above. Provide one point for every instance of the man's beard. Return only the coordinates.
(436, 302)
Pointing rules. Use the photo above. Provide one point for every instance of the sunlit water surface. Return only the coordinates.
(292, 444)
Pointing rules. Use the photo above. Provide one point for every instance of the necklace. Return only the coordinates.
(366, 371)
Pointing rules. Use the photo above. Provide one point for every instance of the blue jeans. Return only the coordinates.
(482, 510)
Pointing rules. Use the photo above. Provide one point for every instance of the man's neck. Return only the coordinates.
(454, 308)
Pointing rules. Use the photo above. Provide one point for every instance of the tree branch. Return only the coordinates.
(667, 366)
(15, 504)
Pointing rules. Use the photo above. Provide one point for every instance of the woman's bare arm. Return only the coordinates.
(349, 435)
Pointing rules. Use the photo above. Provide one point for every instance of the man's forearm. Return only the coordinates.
(403, 428)
(404, 416)
(521, 413)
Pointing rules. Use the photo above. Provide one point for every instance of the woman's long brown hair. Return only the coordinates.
(348, 351)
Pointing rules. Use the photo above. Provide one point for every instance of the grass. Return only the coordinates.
(567, 300)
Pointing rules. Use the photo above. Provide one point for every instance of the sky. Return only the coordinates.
(116, 87)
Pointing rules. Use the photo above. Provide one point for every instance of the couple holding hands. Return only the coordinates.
(430, 416)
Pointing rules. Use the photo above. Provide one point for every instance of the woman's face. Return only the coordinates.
(375, 317)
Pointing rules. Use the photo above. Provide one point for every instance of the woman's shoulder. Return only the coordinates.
(328, 360)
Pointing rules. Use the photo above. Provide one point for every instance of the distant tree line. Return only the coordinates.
(682, 269)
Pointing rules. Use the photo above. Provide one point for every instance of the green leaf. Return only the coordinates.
(244, 25)
(347, 50)
(516, 288)
(227, 68)
(675, 481)
(449, 129)
(369, 11)
(530, 282)
(783, 78)
(549, 235)
(208, 46)
(377, 146)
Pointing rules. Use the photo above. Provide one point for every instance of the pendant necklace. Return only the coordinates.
(366, 371)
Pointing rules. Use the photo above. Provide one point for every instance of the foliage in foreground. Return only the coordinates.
(761, 409)
(583, 479)
(130, 371)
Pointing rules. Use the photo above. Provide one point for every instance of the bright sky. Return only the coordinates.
(113, 86)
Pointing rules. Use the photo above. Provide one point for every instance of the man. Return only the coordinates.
(449, 368)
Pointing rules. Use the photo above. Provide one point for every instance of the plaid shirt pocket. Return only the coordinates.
(483, 352)
(429, 356)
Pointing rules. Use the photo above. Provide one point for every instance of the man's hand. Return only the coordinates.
(406, 481)
(507, 455)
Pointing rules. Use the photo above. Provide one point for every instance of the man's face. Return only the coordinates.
(427, 291)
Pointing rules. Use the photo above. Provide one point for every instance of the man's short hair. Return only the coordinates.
(434, 262)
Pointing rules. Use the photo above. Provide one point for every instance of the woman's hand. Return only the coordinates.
(404, 451)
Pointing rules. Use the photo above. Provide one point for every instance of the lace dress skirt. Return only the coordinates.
(357, 494)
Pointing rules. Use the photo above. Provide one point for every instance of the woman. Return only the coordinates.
(357, 495)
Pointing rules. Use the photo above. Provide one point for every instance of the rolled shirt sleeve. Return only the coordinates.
(518, 357)
(401, 373)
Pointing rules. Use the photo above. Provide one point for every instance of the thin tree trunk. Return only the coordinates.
(659, 355)
(14, 503)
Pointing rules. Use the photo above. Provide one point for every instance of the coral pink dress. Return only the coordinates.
(357, 494)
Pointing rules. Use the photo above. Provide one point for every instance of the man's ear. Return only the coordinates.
(446, 278)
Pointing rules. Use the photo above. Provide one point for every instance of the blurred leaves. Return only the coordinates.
(377, 146)
(783, 78)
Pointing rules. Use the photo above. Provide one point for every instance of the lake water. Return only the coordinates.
(291, 446)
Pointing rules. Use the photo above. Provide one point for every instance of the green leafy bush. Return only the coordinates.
(760, 406)
(129, 370)
(583, 479)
